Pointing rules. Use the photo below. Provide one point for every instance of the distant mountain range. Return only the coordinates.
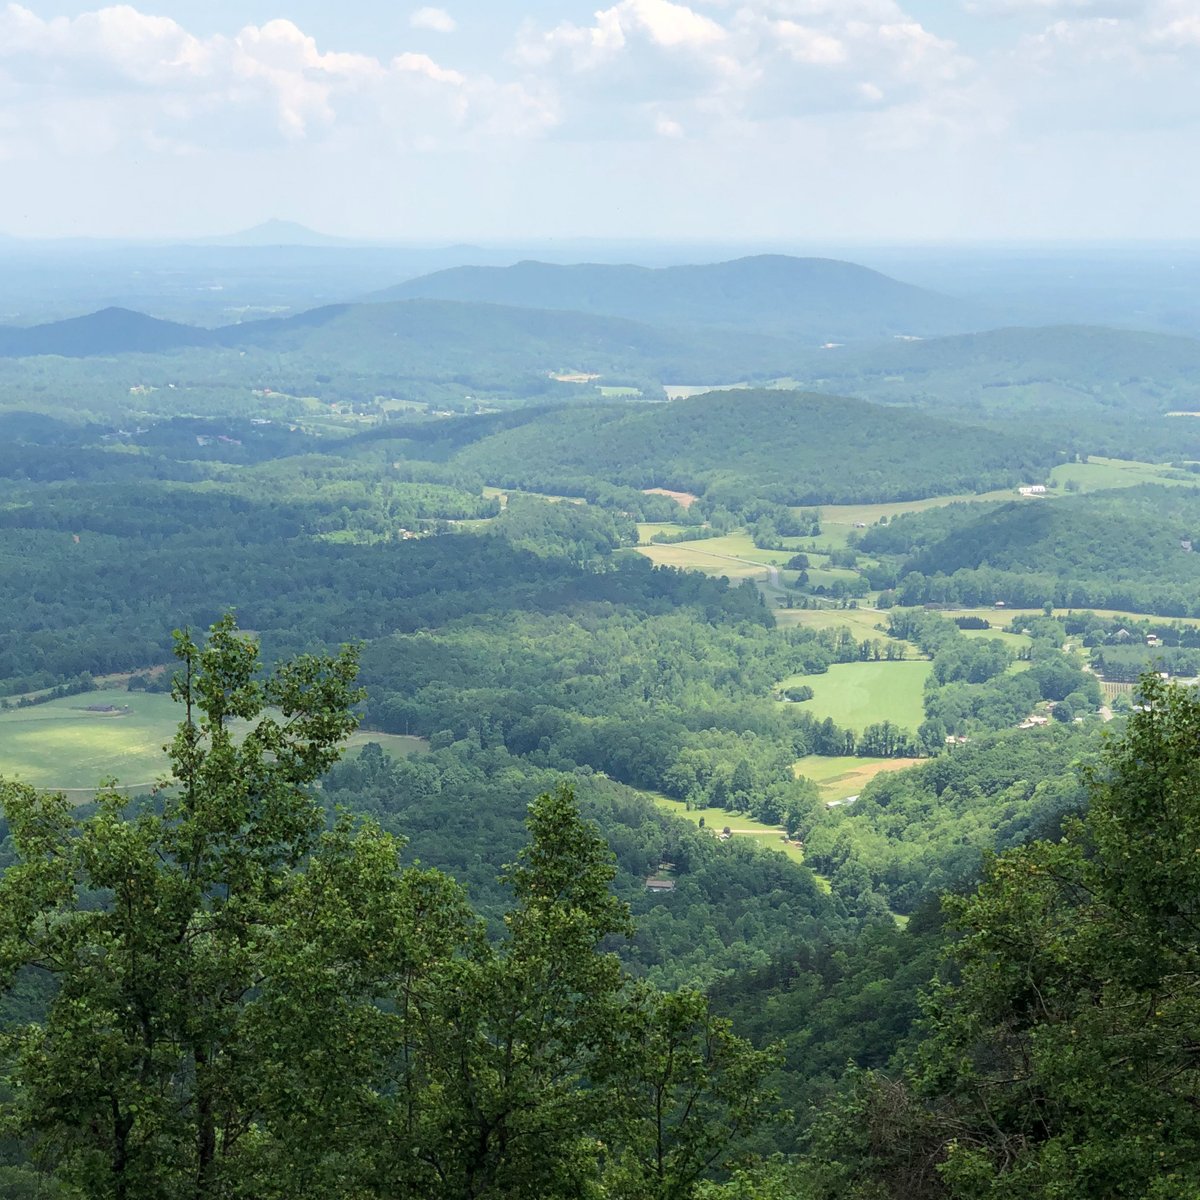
(432, 337)
(1004, 357)
(815, 299)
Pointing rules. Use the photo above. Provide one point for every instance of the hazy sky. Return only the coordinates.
(787, 120)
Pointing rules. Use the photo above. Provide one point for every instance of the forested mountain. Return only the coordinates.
(110, 331)
(813, 299)
(1130, 549)
(468, 343)
(424, 334)
(788, 447)
(1105, 390)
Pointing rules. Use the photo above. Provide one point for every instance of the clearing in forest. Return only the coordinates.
(770, 837)
(73, 743)
(683, 499)
(839, 778)
(859, 694)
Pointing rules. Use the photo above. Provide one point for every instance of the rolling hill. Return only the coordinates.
(1135, 534)
(461, 336)
(1099, 390)
(789, 447)
(431, 339)
(109, 331)
(814, 299)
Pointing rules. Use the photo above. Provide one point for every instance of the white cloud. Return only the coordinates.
(117, 74)
(739, 61)
(1044, 8)
(436, 20)
(808, 45)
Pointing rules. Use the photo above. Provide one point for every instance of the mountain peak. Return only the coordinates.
(275, 232)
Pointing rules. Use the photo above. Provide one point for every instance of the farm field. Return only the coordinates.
(839, 520)
(1014, 641)
(837, 778)
(859, 694)
(1097, 474)
(1006, 615)
(71, 745)
(647, 529)
(502, 494)
(684, 391)
(741, 545)
(735, 555)
(769, 836)
(862, 623)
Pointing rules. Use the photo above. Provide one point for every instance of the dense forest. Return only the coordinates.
(790, 448)
(748, 795)
(334, 991)
(1130, 550)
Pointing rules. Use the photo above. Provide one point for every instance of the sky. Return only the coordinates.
(757, 121)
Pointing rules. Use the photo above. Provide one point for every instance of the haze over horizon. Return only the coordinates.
(773, 121)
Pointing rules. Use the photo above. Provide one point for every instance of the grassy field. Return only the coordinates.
(837, 778)
(684, 391)
(502, 494)
(1004, 615)
(769, 836)
(741, 545)
(856, 695)
(1014, 641)
(735, 555)
(1097, 474)
(70, 744)
(647, 529)
(693, 559)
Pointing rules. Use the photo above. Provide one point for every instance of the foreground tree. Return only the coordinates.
(1062, 1058)
(246, 1004)
(152, 925)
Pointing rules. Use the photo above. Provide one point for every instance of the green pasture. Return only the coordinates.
(859, 694)
(618, 391)
(647, 530)
(861, 622)
(69, 744)
(1005, 615)
(502, 494)
(1097, 474)
(741, 545)
(1014, 641)
(827, 576)
(1101, 474)
(770, 837)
